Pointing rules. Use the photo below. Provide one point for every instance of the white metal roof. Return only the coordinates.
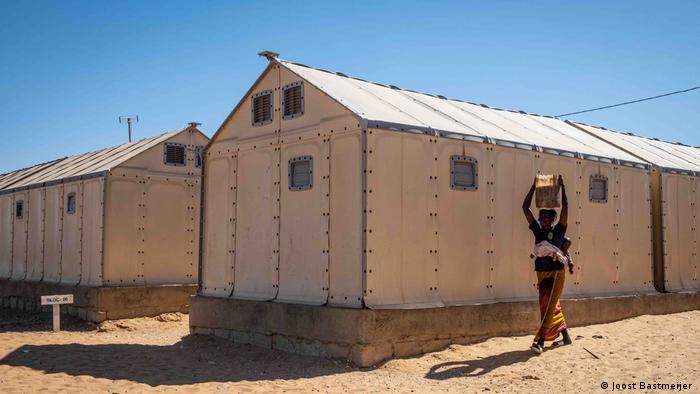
(79, 166)
(390, 107)
(668, 155)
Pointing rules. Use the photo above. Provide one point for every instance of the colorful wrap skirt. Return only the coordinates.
(550, 285)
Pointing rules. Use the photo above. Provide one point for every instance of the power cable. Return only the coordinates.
(629, 102)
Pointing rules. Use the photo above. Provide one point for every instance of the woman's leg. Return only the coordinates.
(551, 285)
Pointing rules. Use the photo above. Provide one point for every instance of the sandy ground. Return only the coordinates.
(159, 355)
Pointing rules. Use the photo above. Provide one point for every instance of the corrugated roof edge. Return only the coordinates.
(407, 128)
(33, 165)
(428, 130)
(662, 168)
(629, 133)
(96, 174)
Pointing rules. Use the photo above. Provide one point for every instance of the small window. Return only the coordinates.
(70, 203)
(293, 100)
(19, 209)
(464, 173)
(598, 188)
(198, 156)
(261, 110)
(301, 173)
(174, 154)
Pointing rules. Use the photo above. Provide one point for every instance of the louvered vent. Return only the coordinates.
(19, 209)
(70, 203)
(464, 173)
(198, 156)
(262, 108)
(174, 154)
(301, 173)
(598, 188)
(293, 100)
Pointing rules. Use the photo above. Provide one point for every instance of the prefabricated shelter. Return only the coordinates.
(322, 189)
(675, 198)
(121, 217)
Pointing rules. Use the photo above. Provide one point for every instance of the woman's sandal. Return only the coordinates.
(536, 348)
(560, 343)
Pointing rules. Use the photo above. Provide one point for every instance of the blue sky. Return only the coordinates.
(68, 69)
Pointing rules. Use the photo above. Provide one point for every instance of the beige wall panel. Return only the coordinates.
(464, 267)
(670, 212)
(53, 233)
(569, 169)
(35, 236)
(685, 260)
(401, 263)
(695, 267)
(678, 237)
(345, 228)
(635, 257)
(597, 259)
(257, 226)
(123, 237)
(303, 264)
(19, 239)
(168, 226)
(218, 256)
(71, 250)
(513, 276)
(7, 212)
(92, 209)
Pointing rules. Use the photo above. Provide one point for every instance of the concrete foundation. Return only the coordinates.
(97, 304)
(367, 337)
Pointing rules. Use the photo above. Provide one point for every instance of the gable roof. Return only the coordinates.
(390, 107)
(669, 156)
(82, 166)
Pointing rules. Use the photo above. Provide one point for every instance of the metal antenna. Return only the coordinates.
(128, 119)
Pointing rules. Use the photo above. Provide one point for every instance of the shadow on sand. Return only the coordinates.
(481, 366)
(12, 320)
(195, 359)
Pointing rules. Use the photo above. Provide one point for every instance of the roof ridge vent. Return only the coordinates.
(269, 55)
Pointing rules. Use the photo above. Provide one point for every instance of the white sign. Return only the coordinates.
(57, 299)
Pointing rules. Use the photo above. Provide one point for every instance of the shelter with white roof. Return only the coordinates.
(325, 189)
(124, 216)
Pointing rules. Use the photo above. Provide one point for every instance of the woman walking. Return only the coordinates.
(551, 254)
